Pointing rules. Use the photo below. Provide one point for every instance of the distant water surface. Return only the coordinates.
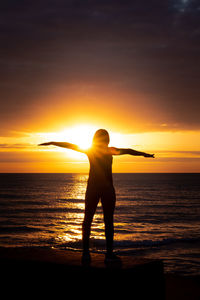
(156, 215)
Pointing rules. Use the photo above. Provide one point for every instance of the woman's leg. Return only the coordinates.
(91, 201)
(108, 200)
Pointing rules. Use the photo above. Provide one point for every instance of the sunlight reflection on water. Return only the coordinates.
(156, 214)
(72, 231)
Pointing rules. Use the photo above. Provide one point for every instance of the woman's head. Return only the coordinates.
(101, 137)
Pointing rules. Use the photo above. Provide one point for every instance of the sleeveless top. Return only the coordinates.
(100, 167)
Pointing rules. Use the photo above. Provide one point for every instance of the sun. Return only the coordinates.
(80, 135)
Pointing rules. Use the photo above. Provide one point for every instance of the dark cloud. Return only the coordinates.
(137, 47)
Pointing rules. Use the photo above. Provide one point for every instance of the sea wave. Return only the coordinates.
(125, 246)
(155, 243)
(155, 213)
(41, 210)
(18, 229)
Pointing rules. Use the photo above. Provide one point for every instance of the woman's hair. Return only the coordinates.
(101, 136)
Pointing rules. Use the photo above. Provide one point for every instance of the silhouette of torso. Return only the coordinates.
(100, 167)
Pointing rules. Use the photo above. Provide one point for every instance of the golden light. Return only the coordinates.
(174, 151)
(80, 135)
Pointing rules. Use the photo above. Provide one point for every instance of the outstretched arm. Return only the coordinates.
(121, 151)
(63, 145)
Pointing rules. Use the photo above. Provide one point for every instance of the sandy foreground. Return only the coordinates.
(49, 272)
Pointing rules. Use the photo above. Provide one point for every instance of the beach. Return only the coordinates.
(61, 270)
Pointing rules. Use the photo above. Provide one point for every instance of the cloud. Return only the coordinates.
(16, 146)
(146, 51)
(179, 154)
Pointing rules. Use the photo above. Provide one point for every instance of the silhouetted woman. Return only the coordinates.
(99, 186)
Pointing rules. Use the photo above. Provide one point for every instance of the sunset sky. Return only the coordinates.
(71, 67)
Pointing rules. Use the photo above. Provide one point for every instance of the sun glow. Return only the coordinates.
(80, 135)
(174, 151)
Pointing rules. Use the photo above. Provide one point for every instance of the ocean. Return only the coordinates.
(156, 215)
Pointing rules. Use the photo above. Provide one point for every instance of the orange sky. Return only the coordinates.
(132, 68)
(174, 151)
